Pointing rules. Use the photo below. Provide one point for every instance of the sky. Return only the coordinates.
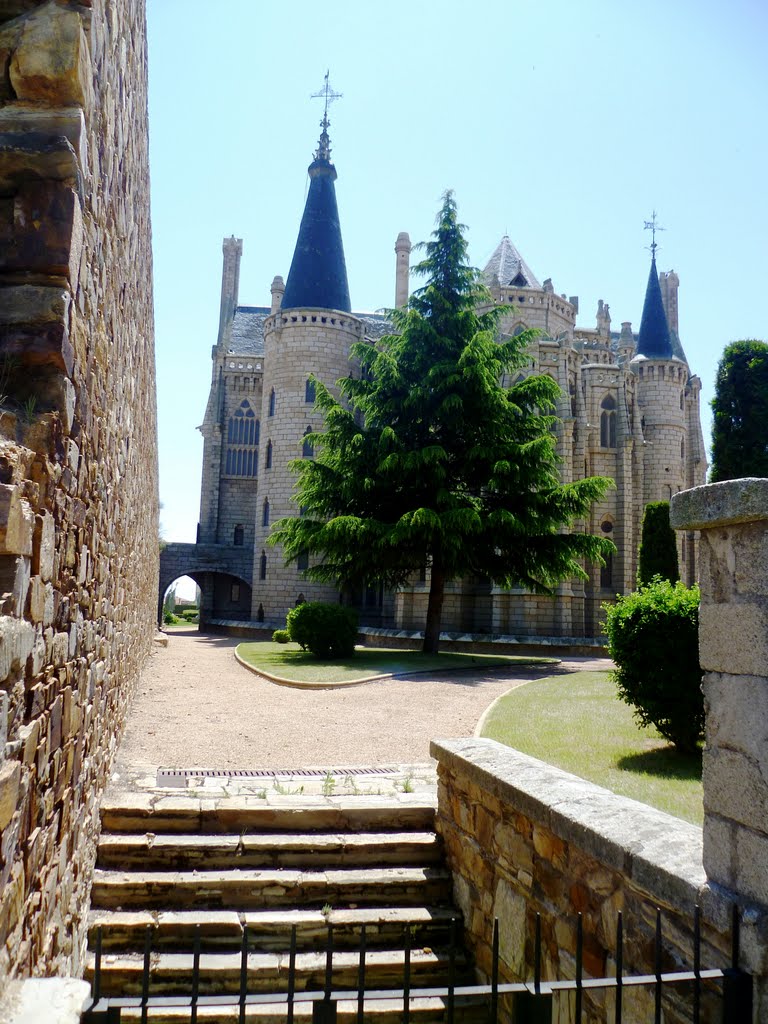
(562, 124)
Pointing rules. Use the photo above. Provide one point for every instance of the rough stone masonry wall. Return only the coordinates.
(523, 837)
(78, 476)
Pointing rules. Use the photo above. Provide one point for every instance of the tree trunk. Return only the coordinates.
(434, 610)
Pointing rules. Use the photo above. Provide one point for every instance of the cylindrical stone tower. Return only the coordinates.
(308, 336)
(402, 268)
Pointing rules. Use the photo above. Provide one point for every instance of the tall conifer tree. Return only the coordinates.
(740, 408)
(429, 460)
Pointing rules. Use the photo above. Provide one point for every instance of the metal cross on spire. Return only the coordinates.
(328, 95)
(652, 226)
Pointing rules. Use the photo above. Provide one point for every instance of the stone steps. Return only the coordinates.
(144, 812)
(271, 929)
(188, 852)
(237, 889)
(183, 866)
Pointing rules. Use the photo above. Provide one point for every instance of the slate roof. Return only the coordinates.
(654, 341)
(247, 337)
(318, 275)
(506, 263)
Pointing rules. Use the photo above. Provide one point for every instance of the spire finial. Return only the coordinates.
(653, 226)
(328, 95)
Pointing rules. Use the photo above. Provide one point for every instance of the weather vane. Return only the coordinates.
(652, 226)
(328, 95)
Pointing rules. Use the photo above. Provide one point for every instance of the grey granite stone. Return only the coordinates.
(732, 501)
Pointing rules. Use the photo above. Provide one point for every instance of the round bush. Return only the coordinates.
(653, 638)
(281, 636)
(327, 630)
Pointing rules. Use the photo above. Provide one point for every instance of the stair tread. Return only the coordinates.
(172, 962)
(265, 840)
(268, 918)
(266, 876)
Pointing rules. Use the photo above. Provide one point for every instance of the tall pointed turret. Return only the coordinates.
(654, 341)
(318, 274)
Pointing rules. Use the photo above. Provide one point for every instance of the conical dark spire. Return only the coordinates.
(654, 341)
(318, 274)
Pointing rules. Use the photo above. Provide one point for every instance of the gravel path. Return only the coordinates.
(195, 706)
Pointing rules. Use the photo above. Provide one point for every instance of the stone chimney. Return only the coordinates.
(402, 268)
(230, 283)
(278, 290)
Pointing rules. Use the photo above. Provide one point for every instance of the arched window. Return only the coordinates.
(265, 513)
(307, 450)
(241, 457)
(268, 460)
(682, 449)
(608, 422)
(239, 535)
(309, 392)
(263, 566)
(272, 402)
(302, 561)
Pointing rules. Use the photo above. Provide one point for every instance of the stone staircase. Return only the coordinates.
(176, 864)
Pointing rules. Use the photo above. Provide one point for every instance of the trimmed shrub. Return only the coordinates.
(169, 619)
(653, 638)
(658, 549)
(281, 636)
(327, 630)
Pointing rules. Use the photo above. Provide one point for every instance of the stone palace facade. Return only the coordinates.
(629, 410)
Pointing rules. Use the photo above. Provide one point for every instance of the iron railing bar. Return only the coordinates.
(243, 975)
(97, 967)
(579, 967)
(619, 965)
(407, 976)
(735, 936)
(494, 1014)
(329, 964)
(537, 957)
(145, 973)
(195, 975)
(451, 971)
(657, 969)
(361, 978)
(291, 974)
(696, 964)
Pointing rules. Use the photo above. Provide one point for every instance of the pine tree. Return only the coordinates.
(428, 460)
(740, 408)
(658, 547)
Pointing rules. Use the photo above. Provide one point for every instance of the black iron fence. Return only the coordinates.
(533, 1000)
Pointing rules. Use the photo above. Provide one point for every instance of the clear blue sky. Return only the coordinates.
(563, 124)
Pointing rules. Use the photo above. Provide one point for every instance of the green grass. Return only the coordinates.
(577, 723)
(288, 661)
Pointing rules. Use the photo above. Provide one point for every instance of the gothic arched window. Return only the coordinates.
(272, 402)
(263, 566)
(608, 422)
(239, 536)
(302, 561)
(606, 573)
(268, 460)
(241, 457)
(309, 392)
(307, 450)
(265, 513)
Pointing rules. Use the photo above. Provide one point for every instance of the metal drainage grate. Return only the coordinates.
(177, 776)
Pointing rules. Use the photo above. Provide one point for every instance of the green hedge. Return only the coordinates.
(327, 630)
(653, 638)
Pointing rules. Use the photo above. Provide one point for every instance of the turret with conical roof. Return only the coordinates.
(654, 341)
(307, 335)
(318, 275)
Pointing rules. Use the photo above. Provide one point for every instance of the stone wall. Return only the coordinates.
(78, 474)
(523, 837)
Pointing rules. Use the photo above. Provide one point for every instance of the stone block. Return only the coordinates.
(53, 1000)
(44, 545)
(719, 851)
(16, 522)
(735, 788)
(751, 877)
(737, 715)
(733, 638)
(10, 778)
(731, 501)
(509, 906)
(51, 62)
(14, 583)
(33, 304)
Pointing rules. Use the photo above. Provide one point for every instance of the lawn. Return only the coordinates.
(289, 662)
(577, 723)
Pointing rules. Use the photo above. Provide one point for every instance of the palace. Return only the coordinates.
(629, 409)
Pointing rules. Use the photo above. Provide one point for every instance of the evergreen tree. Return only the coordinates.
(740, 408)
(429, 460)
(658, 547)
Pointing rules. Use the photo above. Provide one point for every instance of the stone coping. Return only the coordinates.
(659, 853)
(48, 1000)
(722, 504)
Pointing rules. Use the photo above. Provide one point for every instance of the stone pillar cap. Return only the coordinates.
(723, 504)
